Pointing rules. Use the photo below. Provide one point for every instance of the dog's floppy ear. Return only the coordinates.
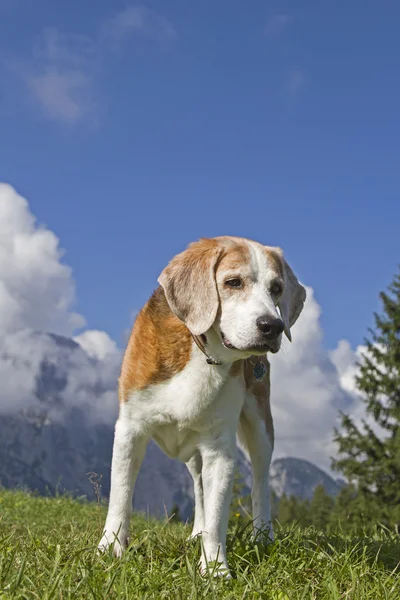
(292, 300)
(190, 287)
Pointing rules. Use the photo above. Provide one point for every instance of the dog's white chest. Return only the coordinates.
(201, 399)
(180, 439)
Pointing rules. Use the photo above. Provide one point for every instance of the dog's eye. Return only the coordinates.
(234, 283)
(276, 288)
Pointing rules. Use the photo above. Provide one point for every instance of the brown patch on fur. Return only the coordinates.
(236, 255)
(159, 347)
(235, 262)
(261, 391)
(236, 368)
(275, 258)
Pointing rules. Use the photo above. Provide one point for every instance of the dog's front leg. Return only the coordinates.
(195, 465)
(218, 456)
(128, 452)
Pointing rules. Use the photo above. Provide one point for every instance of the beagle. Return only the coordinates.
(195, 378)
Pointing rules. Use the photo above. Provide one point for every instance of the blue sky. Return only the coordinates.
(133, 129)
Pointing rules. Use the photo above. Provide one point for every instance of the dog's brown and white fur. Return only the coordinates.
(227, 291)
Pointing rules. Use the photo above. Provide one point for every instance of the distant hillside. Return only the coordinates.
(298, 477)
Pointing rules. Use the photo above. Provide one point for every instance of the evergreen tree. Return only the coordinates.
(370, 456)
(353, 512)
(321, 507)
(175, 515)
(285, 510)
(274, 505)
(293, 510)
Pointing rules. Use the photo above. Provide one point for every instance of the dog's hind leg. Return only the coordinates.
(257, 443)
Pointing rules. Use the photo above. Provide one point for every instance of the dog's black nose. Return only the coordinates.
(270, 327)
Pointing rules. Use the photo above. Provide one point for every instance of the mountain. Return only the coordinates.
(59, 436)
(298, 477)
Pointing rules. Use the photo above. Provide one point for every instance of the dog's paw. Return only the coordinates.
(215, 569)
(263, 534)
(194, 535)
(119, 544)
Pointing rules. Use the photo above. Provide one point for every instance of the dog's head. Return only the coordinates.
(245, 292)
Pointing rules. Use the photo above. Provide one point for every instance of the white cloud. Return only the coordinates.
(21, 357)
(345, 359)
(96, 344)
(277, 24)
(63, 95)
(137, 20)
(37, 294)
(65, 49)
(60, 77)
(61, 73)
(49, 375)
(308, 389)
(36, 288)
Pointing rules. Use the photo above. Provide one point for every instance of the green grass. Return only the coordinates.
(48, 550)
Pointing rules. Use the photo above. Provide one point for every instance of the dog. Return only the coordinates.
(195, 379)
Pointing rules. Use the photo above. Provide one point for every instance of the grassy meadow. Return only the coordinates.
(48, 550)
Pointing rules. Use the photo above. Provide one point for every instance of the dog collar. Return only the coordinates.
(259, 369)
(201, 341)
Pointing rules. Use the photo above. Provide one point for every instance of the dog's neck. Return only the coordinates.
(201, 343)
